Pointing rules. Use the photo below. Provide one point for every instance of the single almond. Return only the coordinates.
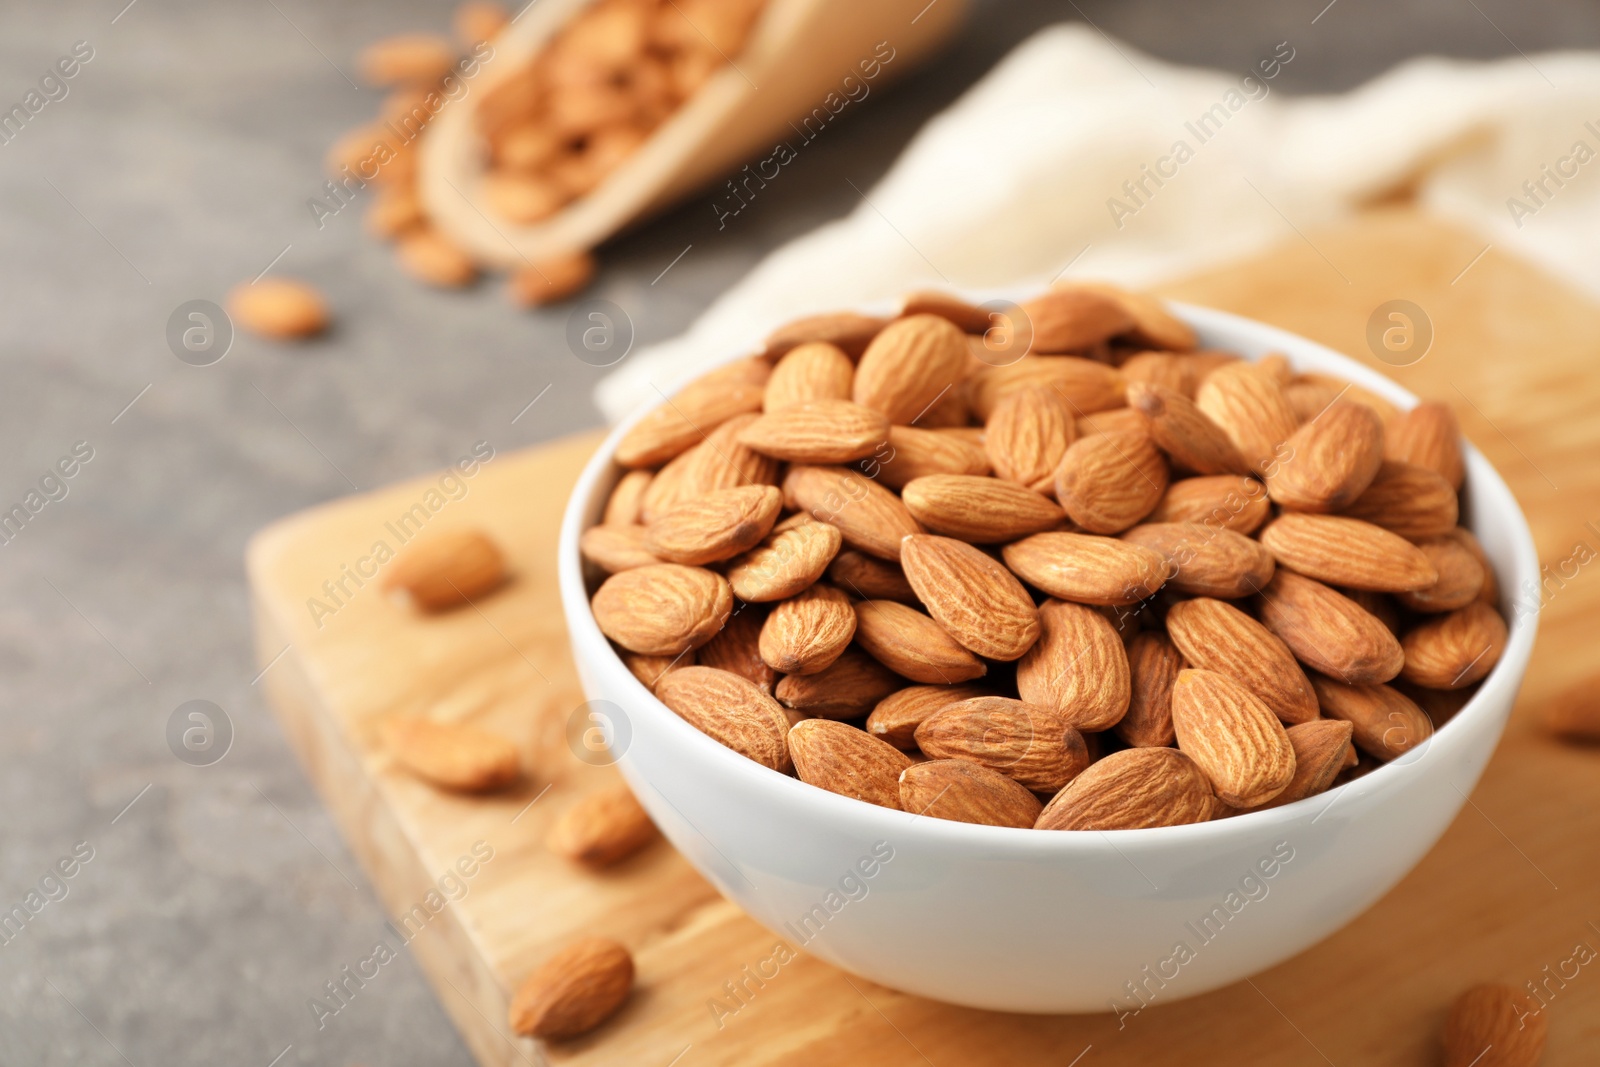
(908, 365)
(731, 710)
(845, 330)
(963, 791)
(815, 371)
(1207, 561)
(1027, 433)
(1222, 501)
(650, 669)
(1380, 606)
(1030, 744)
(1185, 432)
(1461, 577)
(1073, 319)
(974, 599)
(1085, 385)
(1153, 666)
(280, 308)
(627, 496)
(447, 570)
(666, 489)
(968, 318)
(1321, 748)
(913, 645)
(1251, 409)
(808, 632)
(604, 828)
(1386, 724)
(1349, 552)
(716, 526)
(1133, 789)
(1329, 632)
(1574, 713)
(1153, 324)
(869, 517)
(476, 21)
(411, 58)
(737, 648)
(685, 420)
(1217, 636)
(551, 279)
(574, 990)
(1235, 738)
(914, 453)
(721, 461)
(1165, 369)
(1490, 593)
(1078, 667)
(1109, 482)
(786, 562)
(1088, 568)
(1428, 436)
(1412, 501)
(818, 431)
(453, 755)
(431, 258)
(662, 609)
(1495, 1026)
(846, 760)
(1455, 650)
(978, 509)
(616, 548)
(1330, 461)
(896, 717)
(870, 578)
(847, 689)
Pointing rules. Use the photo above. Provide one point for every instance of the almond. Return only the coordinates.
(842, 759)
(1386, 725)
(1222, 501)
(912, 645)
(1109, 482)
(973, 598)
(869, 517)
(622, 506)
(1153, 666)
(411, 58)
(662, 609)
(847, 689)
(964, 791)
(280, 308)
(871, 579)
(1380, 606)
(1132, 790)
(1206, 561)
(666, 489)
(1078, 666)
(604, 828)
(1428, 436)
(1321, 747)
(1490, 593)
(574, 991)
(845, 330)
(1310, 399)
(1027, 434)
(1088, 568)
(1453, 651)
(816, 371)
(716, 526)
(807, 633)
(818, 431)
(1074, 319)
(1153, 324)
(1185, 432)
(447, 570)
(896, 717)
(1460, 581)
(1495, 1026)
(1030, 744)
(1117, 420)
(1330, 461)
(1328, 632)
(982, 510)
(1349, 552)
(910, 364)
(1084, 384)
(685, 420)
(1164, 369)
(784, 563)
(731, 710)
(1574, 713)
(1235, 738)
(478, 20)
(431, 258)
(1217, 636)
(721, 461)
(914, 453)
(968, 318)
(616, 548)
(453, 755)
(1354, 393)
(1251, 410)
(1414, 502)
(650, 669)
(737, 648)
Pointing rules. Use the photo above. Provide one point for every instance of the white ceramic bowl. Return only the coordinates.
(1035, 921)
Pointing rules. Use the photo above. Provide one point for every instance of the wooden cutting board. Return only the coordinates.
(1509, 893)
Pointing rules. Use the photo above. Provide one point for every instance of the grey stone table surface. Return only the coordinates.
(206, 905)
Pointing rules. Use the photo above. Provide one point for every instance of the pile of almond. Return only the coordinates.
(1054, 567)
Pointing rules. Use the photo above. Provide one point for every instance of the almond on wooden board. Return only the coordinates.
(1033, 745)
(1428, 436)
(964, 791)
(1073, 319)
(1329, 632)
(715, 526)
(1348, 552)
(1109, 482)
(1460, 582)
(662, 609)
(847, 689)
(1222, 500)
(896, 717)
(1086, 385)
(808, 632)
(1453, 651)
(1027, 433)
(913, 453)
(1251, 409)
(737, 648)
(575, 990)
(1573, 713)
(731, 710)
(846, 760)
(1217, 636)
(696, 410)
(846, 330)
(1088, 568)
(1153, 666)
(912, 645)
(1207, 561)
(1235, 738)
(1321, 748)
(1078, 667)
(1387, 724)
(622, 506)
(1495, 1026)
(650, 669)
(1414, 502)
(1185, 432)
(978, 509)
(818, 431)
(785, 562)
(1329, 462)
(1132, 790)
(870, 578)
(815, 371)
(616, 548)
(603, 828)
(973, 598)
(909, 365)
(869, 517)
(453, 755)
(280, 308)
(447, 570)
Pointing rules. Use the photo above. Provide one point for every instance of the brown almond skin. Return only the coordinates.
(1251, 409)
(1235, 738)
(1330, 461)
(431, 258)
(1387, 724)
(1031, 744)
(574, 990)
(716, 526)
(650, 669)
(969, 318)
(1460, 582)
(1134, 789)
(1222, 501)
(1153, 325)
(737, 648)
(280, 308)
(1153, 666)
(1185, 432)
(1329, 632)
(963, 791)
(974, 599)
(816, 371)
(1455, 650)
(1088, 568)
(915, 453)
(615, 549)
(622, 506)
(1339, 550)
(978, 509)
(785, 563)
(1086, 385)
(1078, 667)
(818, 432)
(721, 461)
(1574, 713)
(1117, 420)
(846, 330)
(1495, 1026)
(1207, 561)
(1074, 319)
(896, 717)
(602, 829)
(662, 609)
(452, 755)
(1414, 502)
(685, 420)
(1321, 747)
(870, 578)
(1027, 434)
(1109, 482)
(730, 710)
(847, 689)
(846, 760)
(448, 570)
(1217, 636)
(1490, 593)
(912, 645)
(808, 632)
(870, 518)
(1428, 436)
(908, 365)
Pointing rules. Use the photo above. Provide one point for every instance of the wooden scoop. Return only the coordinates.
(778, 88)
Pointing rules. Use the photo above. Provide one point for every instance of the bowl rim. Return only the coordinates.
(1482, 481)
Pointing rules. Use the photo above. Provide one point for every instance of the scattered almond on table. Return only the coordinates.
(575, 990)
(453, 755)
(447, 570)
(1495, 1026)
(602, 829)
(279, 308)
